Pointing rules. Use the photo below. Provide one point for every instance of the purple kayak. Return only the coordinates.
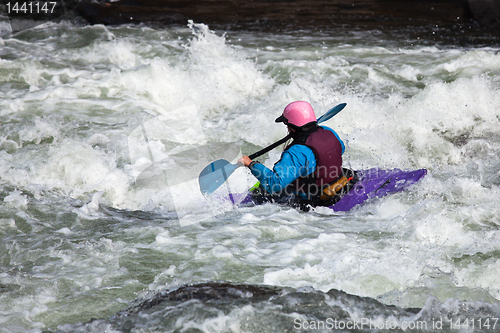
(372, 183)
(377, 183)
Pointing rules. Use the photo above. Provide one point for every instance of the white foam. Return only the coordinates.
(16, 199)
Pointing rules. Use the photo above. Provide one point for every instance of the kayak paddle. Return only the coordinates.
(217, 172)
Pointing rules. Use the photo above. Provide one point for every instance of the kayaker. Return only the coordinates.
(308, 165)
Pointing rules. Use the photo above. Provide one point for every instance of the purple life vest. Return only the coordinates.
(328, 152)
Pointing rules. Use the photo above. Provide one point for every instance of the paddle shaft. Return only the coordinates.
(271, 147)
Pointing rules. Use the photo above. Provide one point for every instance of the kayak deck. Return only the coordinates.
(371, 183)
(377, 183)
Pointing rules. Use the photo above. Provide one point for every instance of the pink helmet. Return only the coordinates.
(298, 114)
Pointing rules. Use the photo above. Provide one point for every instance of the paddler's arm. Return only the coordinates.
(297, 161)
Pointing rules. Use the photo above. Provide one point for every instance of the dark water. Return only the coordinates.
(225, 307)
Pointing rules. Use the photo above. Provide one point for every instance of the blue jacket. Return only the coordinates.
(295, 162)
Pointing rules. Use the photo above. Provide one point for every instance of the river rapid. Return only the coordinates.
(93, 238)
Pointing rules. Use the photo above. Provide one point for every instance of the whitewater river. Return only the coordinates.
(104, 131)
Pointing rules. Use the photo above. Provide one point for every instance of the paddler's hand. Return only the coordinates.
(244, 161)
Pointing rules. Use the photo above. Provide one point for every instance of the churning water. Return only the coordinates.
(90, 229)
